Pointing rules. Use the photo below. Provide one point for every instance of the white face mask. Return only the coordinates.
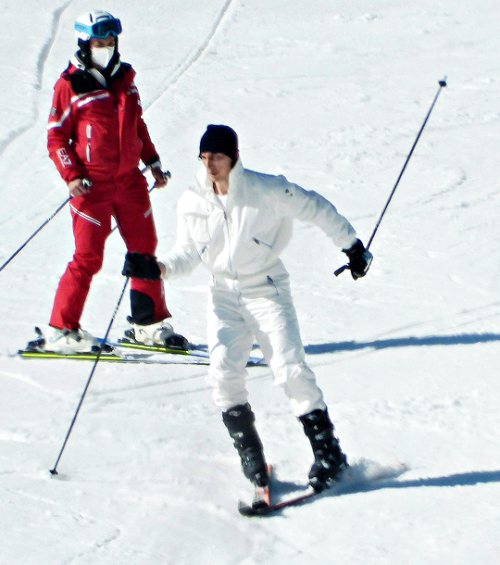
(101, 56)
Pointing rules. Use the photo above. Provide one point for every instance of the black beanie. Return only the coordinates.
(220, 139)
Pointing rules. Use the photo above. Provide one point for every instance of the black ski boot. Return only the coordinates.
(240, 422)
(329, 461)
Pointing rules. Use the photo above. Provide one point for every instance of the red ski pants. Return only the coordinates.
(91, 227)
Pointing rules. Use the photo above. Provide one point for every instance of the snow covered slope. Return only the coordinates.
(331, 94)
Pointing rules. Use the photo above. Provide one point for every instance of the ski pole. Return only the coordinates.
(53, 471)
(86, 182)
(34, 233)
(167, 175)
(442, 84)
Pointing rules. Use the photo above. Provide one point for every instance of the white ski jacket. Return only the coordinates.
(245, 237)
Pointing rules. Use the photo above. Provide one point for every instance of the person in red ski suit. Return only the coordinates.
(96, 138)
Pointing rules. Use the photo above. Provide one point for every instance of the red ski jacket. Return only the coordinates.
(98, 133)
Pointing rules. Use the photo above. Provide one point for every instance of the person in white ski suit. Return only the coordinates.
(239, 236)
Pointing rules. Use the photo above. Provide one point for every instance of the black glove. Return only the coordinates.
(359, 259)
(141, 266)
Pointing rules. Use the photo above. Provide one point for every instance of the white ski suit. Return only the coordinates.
(240, 242)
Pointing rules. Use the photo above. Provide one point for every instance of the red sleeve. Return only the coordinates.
(148, 149)
(60, 131)
(148, 152)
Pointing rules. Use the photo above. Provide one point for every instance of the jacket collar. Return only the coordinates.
(204, 186)
(101, 79)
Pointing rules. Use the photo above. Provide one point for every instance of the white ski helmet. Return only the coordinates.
(97, 24)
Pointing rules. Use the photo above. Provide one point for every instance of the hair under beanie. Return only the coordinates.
(220, 139)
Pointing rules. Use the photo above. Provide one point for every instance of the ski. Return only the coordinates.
(114, 357)
(128, 351)
(193, 351)
(32, 354)
(35, 350)
(140, 356)
(354, 479)
(263, 509)
(261, 498)
(150, 359)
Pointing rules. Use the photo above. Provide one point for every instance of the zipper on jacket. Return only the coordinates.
(260, 242)
(228, 235)
(270, 281)
(89, 137)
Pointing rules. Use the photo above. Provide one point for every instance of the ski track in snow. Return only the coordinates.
(31, 382)
(16, 135)
(40, 69)
(183, 67)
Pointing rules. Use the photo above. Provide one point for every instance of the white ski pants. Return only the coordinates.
(260, 307)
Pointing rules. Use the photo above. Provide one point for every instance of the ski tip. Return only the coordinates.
(245, 509)
(249, 510)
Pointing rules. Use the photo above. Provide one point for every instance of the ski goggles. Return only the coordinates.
(102, 29)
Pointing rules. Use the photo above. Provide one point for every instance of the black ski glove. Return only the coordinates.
(359, 259)
(141, 266)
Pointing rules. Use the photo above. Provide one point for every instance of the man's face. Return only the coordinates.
(218, 165)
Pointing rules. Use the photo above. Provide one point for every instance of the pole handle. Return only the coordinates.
(340, 270)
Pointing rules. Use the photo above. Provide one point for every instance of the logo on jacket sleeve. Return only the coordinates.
(64, 158)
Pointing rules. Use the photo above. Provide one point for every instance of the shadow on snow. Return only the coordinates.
(355, 486)
(463, 339)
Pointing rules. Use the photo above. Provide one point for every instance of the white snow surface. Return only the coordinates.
(331, 94)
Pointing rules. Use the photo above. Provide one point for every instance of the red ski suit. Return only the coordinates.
(98, 133)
